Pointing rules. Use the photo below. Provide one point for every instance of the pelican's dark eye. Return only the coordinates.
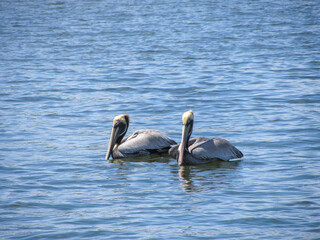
(189, 121)
(116, 124)
(122, 128)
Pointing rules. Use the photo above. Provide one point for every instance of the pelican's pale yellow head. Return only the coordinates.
(123, 118)
(186, 116)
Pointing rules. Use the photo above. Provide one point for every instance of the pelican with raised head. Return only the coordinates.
(200, 150)
(141, 143)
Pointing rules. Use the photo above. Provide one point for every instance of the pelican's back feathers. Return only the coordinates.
(145, 140)
(213, 148)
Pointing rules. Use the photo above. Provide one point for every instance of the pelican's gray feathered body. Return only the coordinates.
(204, 150)
(200, 150)
(142, 143)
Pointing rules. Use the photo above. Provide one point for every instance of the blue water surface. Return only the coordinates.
(250, 71)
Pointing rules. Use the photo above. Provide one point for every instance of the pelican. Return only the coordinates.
(200, 150)
(141, 143)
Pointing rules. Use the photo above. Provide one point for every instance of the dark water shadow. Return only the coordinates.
(161, 158)
(212, 175)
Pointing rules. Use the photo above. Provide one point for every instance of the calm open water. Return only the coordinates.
(250, 70)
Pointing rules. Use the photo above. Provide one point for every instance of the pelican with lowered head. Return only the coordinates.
(141, 143)
(200, 150)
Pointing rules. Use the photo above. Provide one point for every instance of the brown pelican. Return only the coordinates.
(141, 143)
(201, 149)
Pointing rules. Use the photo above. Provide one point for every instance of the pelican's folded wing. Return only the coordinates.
(145, 140)
(215, 148)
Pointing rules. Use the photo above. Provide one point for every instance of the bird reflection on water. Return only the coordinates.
(213, 175)
(195, 178)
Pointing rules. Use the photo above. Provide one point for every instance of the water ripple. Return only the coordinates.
(249, 71)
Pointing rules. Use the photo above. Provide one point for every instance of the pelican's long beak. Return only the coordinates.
(187, 125)
(183, 144)
(113, 138)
